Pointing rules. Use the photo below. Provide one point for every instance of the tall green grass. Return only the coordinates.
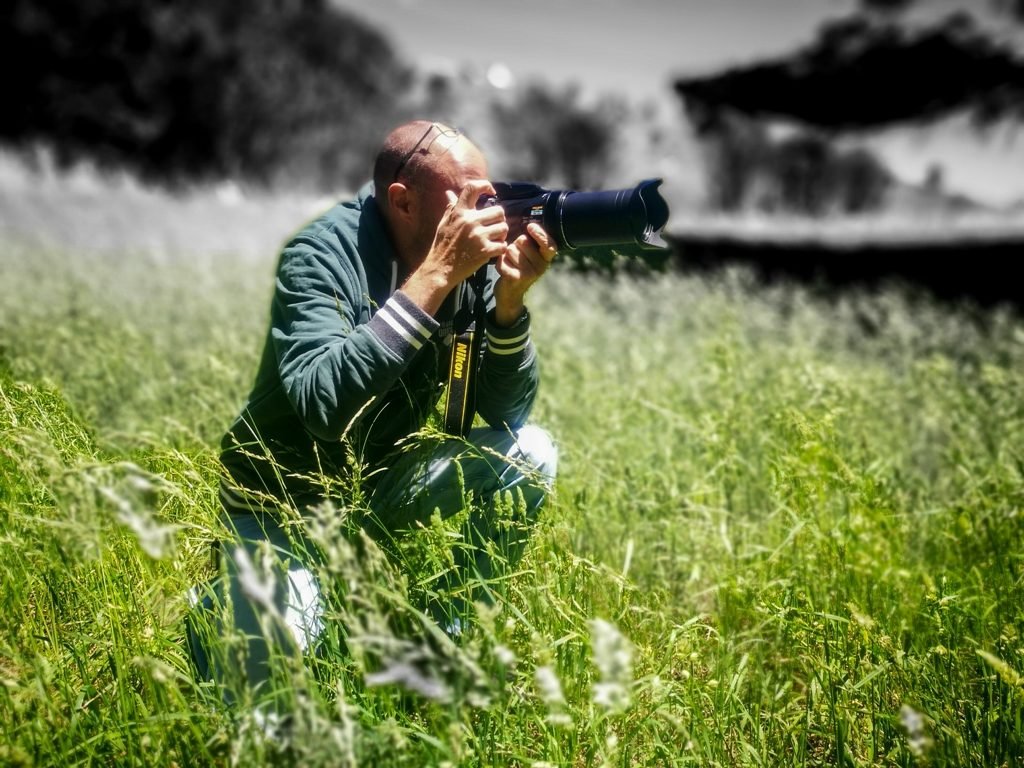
(786, 531)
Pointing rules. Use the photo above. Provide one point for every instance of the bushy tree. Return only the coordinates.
(736, 150)
(803, 173)
(561, 141)
(198, 88)
(1012, 8)
(864, 181)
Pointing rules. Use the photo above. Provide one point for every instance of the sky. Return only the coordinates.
(627, 46)
(635, 48)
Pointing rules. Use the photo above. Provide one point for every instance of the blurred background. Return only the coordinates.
(777, 126)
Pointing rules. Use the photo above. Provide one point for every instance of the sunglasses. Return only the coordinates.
(448, 133)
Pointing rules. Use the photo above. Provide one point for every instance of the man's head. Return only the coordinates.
(417, 163)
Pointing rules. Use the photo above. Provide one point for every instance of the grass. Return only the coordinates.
(787, 531)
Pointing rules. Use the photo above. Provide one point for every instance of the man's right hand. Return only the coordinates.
(466, 239)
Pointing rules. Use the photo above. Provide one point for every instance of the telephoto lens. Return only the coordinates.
(575, 219)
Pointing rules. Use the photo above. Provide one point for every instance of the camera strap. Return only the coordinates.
(460, 401)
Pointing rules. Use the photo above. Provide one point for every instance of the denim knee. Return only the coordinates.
(539, 452)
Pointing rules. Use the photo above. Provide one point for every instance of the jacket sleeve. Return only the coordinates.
(333, 358)
(509, 374)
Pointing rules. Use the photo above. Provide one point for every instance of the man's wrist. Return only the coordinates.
(402, 325)
(427, 289)
(507, 314)
(508, 347)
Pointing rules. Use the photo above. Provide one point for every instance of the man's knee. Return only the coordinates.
(538, 452)
(303, 608)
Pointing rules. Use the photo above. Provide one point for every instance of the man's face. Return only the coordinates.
(458, 161)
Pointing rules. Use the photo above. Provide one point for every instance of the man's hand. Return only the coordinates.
(519, 267)
(466, 239)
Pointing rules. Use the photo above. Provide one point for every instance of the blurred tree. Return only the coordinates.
(863, 181)
(935, 179)
(806, 177)
(863, 72)
(559, 141)
(1012, 8)
(800, 173)
(886, 6)
(191, 88)
(736, 149)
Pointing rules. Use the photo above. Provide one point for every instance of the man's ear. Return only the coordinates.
(400, 200)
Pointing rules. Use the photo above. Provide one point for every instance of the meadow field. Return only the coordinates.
(787, 531)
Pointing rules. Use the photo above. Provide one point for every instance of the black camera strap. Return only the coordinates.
(460, 402)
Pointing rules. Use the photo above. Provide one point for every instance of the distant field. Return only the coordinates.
(84, 211)
(973, 255)
(787, 529)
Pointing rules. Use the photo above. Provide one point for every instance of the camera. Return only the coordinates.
(575, 219)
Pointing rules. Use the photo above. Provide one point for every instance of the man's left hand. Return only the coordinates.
(524, 261)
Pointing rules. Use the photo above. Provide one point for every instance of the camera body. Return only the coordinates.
(575, 219)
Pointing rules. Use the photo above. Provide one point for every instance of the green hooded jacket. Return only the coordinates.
(349, 358)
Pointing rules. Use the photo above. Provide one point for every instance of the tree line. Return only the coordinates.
(194, 89)
(277, 92)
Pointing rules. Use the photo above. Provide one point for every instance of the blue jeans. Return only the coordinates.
(277, 601)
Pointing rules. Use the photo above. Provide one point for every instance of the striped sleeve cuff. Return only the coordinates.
(508, 341)
(402, 326)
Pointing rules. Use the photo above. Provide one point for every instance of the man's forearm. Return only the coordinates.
(428, 288)
(509, 305)
(507, 314)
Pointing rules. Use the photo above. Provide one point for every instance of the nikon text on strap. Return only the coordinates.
(458, 413)
(460, 401)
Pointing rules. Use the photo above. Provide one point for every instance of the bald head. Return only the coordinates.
(411, 152)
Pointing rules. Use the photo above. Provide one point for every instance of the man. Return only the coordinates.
(369, 297)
